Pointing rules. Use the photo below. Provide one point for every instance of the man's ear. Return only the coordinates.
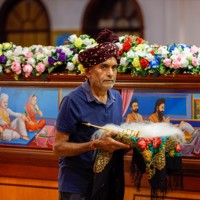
(87, 72)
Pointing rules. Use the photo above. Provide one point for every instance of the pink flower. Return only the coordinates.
(167, 62)
(16, 67)
(40, 67)
(28, 55)
(176, 64)
(194, 49)
(194, 61)
(27, 70)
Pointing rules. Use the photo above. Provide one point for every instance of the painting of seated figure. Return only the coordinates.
(177, 108)
(25, 113)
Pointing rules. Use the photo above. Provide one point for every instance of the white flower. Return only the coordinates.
(123, 61)
(174, 56)
(140, 53)
(176, 51)
(47, 51)
(18, 50)
(40, 56)
(119, 45)
(149, 57)
(17, 59)
(87, 41)
(45, 61)
(130, 54)
(72, 38)
(31, 61)
(8, 53)
(67, 51)
(121, 38)
(184, 62)
(163, 50)
(75, 58)
(70, 66)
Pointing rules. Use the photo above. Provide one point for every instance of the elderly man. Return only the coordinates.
(96, 103)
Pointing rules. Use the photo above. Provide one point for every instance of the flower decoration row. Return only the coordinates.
(137, 57)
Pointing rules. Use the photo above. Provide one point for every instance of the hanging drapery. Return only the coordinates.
(126, 98)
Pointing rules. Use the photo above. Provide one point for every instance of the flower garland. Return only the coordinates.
(138, 58)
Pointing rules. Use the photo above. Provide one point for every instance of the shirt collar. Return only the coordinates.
(90, 97)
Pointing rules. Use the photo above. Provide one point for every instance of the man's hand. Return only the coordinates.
(106, 142)
(167, 119)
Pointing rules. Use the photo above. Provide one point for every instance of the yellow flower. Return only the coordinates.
(81, 69)
(7, 45)
(136, 63)
(140, 47)
(78, 42)
(1, 46)
(172, 153)
(74, 61)
(0, 52)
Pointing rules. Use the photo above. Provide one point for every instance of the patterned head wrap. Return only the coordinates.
(103, 51)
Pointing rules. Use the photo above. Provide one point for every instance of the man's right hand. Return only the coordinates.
(106, 142)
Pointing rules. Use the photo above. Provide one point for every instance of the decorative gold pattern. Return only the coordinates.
(102, 159)
(159, 160)
(154, 157)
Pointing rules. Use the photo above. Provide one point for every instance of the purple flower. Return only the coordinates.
(58, 50)
(51, 60)
(62, 57)
(3, 59)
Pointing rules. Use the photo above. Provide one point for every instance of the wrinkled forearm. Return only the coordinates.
(70, 149)
(62, 146)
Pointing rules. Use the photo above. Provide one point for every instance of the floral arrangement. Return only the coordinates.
(141, 59)
(138, 58)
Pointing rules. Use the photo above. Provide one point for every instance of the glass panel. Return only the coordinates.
(123, 15)
(15, 38)
(25, 21)
(14, 22)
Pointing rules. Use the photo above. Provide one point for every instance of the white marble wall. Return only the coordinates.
(165, 21)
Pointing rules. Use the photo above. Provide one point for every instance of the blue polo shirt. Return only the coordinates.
(79, 106)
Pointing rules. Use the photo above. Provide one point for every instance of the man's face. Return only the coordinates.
(160, 111)
(103, 76)
(4, 103)
(161, 108)
(135, 107)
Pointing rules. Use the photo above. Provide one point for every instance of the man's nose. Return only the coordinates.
(110, 71)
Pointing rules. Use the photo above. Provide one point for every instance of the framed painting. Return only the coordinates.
(39, 106)
(178, 108)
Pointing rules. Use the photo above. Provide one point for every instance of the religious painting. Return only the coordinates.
(27, 116)
(180, 109)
